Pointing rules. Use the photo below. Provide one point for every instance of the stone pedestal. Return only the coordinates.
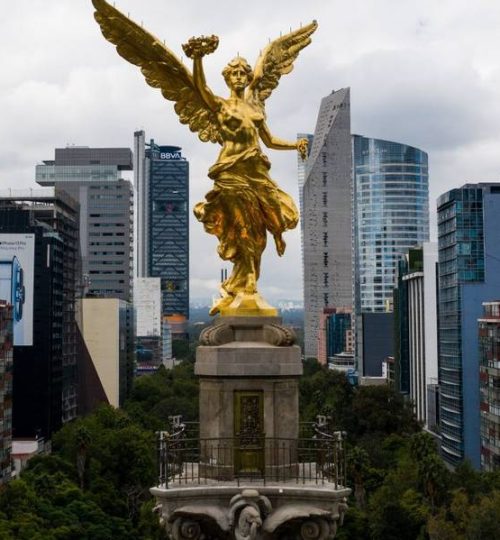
(248, 354)
(250, 476)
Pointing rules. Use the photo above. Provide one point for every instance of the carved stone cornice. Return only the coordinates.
(250, 515)
(244, 329)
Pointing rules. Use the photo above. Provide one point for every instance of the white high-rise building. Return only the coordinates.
(327, 216)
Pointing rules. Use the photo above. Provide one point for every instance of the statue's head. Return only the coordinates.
(238, 72)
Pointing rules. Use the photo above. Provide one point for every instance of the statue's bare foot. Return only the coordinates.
(280, 244)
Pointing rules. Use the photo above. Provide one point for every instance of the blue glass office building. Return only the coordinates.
(391, 215)
(168, 256)
(162, 182)
(337, 324)
(469, 274)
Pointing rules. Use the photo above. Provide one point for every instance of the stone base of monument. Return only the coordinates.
(249, 473)
(278, 512)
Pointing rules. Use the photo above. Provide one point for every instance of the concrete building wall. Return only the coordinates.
(141, 213)
(430, 310)
(92, 176)
(101, 333)
(489, 379)
(422, 327)
(327, 216)
(147, 303)
(416, 343)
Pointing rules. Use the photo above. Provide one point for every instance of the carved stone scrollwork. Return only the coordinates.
(278, 335)
(186, 529)
(218, 334)
(222, 333)
(317, 529)
(247, 512)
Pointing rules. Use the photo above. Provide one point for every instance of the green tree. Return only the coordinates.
(120, 457)
(432, 473)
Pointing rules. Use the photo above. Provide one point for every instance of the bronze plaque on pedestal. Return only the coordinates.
(249, 433)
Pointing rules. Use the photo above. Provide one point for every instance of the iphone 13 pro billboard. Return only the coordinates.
(17, 261)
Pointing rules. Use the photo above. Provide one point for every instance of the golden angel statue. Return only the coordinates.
(245, 202)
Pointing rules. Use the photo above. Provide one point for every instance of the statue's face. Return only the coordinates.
(238, 78)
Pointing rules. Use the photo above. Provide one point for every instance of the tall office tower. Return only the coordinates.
(489, 378)
(391, 215)
(5, 390)
(162, 187)
(416, 349)
(468, 274)
(38, 257)
(327, 216)
(92, 176)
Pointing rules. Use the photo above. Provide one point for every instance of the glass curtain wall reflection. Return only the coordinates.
(391, 214)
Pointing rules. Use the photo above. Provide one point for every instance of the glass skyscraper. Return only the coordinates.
(391, 209)
(468, 274)
(390, 215)
(162, 184)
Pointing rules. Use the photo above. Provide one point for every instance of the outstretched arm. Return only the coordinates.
(279, 144)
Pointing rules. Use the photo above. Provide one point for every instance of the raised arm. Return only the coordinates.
(197, 48)
(200, 83)
(279, 144)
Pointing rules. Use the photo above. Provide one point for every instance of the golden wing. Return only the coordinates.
(277, 60)
(160, 67)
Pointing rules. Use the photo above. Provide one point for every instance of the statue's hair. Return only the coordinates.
(237, 62)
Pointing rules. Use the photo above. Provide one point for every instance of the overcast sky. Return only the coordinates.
(426, 73)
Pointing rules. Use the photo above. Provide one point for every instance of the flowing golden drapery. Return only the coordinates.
(242, 206)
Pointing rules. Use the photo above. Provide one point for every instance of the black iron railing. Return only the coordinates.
(184, 461)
